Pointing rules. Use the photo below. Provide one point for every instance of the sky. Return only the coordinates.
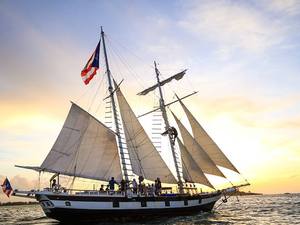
(242, 57)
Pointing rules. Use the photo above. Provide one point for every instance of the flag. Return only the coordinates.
(6, 187)
(91, 66)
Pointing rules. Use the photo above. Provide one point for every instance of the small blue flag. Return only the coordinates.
(6, 187)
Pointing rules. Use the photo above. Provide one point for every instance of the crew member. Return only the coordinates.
(111, 184)
(172, 132)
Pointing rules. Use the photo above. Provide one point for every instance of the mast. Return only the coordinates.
(114, 109)
(167, 126)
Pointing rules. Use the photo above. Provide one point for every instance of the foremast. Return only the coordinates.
(114, 110)
(167, 126)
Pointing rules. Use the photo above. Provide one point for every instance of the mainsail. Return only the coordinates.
(206, 142)
(191, 171)
(198, 154)
(84, 148)
(145, 159)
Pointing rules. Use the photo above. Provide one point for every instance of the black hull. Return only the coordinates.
(84, 208)
(88, 215)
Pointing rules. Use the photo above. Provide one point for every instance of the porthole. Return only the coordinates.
(67, 203)
(143, 203)
(167, 203)
(116, 204)
(186, 202)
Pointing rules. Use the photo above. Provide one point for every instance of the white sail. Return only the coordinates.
(206, 142)
(84, 148)
(145, 159)
(191, 171)
(198, 154)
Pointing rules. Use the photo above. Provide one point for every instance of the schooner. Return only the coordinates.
(87, 148)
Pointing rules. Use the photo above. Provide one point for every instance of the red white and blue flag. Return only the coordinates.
(91, 66)
(6, 187)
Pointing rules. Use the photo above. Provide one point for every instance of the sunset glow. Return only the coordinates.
(242, 57)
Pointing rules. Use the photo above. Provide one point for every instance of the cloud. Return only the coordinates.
(35, 64)
(294, 176)
(290, 123)
(20, 182)
(239, 105)
(233, 25)
(256, 111)
(289, 7)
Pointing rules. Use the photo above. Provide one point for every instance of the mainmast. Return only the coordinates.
(114, 109)
(167, 126)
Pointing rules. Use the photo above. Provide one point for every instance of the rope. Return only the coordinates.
(96, 93)
(91, 86)
(132, 53)
(223, 201)
(128, 67)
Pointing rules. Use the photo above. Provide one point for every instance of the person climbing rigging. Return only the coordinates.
(172, 132)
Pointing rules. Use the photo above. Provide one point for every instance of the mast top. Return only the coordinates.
(156, 70)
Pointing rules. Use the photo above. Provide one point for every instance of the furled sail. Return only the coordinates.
(177, 76)
(145, 159)
(206, 142)
(191, 171)
(198, 154)
(84, 148)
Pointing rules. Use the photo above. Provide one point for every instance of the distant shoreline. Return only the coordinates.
(242, 193)
(17, 203)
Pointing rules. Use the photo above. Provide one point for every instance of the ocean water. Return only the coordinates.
(266, 209)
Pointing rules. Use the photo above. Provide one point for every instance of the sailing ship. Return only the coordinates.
(87, 148)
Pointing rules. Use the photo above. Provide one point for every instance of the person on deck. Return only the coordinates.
(151, 190)
(134, 186)
(101, 188)
(157, 186)
(111, 184)
(123, 186)
(53, 185)
(141, 184)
